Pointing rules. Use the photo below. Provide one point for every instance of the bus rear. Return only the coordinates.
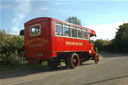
(38, 38)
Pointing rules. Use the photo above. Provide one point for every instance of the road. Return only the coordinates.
(111, 70)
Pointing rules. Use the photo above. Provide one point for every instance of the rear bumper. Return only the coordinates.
(40, 56)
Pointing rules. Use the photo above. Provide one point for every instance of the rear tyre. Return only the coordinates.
(53, 64)
(73, 61)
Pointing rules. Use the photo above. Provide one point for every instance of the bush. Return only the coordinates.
(11, 48)
(103, 45)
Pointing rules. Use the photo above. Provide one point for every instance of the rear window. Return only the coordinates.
(35, 30)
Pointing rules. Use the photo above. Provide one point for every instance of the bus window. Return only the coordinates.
(79, 33)
(59, 29)
(66, 30)
(74, 32)
(85, 34)
(35, 30)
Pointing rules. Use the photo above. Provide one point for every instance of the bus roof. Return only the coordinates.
(91, 32)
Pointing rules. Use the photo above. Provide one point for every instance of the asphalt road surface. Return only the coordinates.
(111, 70)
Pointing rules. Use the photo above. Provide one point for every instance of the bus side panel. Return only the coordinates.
(64, 44)
(86, 45)
(67, 48)
(59, 44)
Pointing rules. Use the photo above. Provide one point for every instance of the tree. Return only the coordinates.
(74, 20)
(120, 41)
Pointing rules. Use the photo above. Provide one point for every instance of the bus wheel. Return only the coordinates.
(73, 61)
(53, 64)
(96, 59)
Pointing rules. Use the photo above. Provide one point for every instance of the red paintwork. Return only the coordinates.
(48, 44)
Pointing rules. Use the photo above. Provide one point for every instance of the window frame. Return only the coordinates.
(62, 29)
(66, 25)
(72, 27)
(78, 34)
(85, 30)
(31, 30)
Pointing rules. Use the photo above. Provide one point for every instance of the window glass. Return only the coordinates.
(79, 33)
(35, 30)
(59, 29)
(74, 32)
(85, 34)
(66, 30)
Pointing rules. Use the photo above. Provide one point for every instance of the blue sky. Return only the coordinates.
(99, 15)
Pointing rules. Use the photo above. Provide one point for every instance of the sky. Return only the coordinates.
(103, 16)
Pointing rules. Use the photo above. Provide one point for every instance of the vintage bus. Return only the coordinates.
(52, 40)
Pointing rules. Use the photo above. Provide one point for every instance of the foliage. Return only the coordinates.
(11, 48)
(103, 45)
(118, 44)
(74, 20)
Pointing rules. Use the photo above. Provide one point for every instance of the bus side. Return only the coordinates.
(64, 44)
(66, 40)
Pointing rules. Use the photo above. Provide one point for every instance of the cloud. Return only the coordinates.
(43, 9)
(63, 3)
(21, 9)
(106, 31)
(59, 3)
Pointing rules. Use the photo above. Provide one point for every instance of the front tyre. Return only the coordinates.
(96, 58)
(73, 61)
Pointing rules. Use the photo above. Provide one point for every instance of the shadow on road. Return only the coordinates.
(4, 75)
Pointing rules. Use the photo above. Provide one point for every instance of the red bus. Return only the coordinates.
(52, 40)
